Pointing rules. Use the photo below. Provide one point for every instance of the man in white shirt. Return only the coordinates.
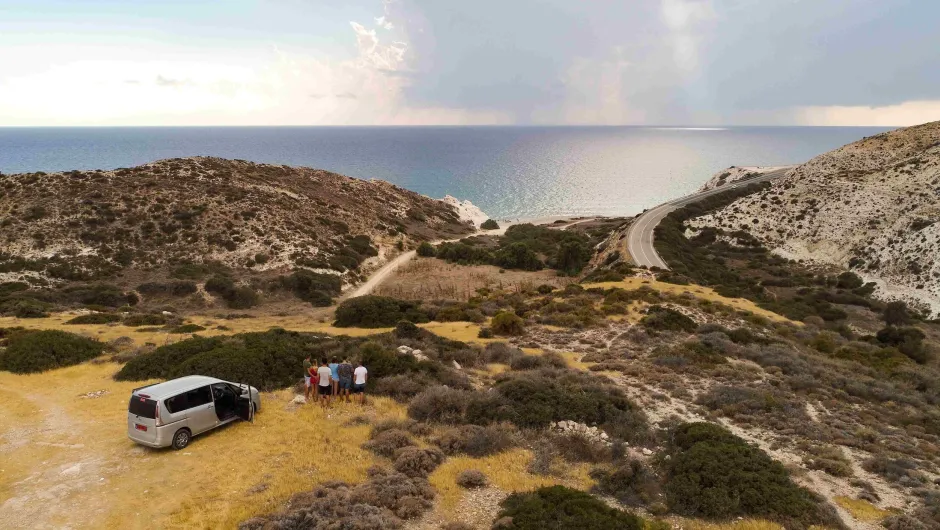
(360, 374)
(325, 384)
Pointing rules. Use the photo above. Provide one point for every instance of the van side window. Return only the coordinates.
(190, 399)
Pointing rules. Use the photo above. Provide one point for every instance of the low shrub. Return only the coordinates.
(24, 307)
(95, 318)
(387, 442)
(908, 340)
(489, 224)
(377, 312)
(713, 473)
(266, 360)
(426, 250)
(147, 319)
(315, 288)
(900, 470)
(187, 328)
(477, 441)
(440, 404)
(38, 351)
(535, 398)
(506, 323)
(828, 459)
(407, 330)
(665, 319)
(471, 478)
(577, 447)
(417, 461)
(561, 507)
(236, 297)
(631, 482)
(536, 362)
(485, 333)
(177, 288)
(379, 503)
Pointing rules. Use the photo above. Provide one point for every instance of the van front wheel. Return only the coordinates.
(181, 438)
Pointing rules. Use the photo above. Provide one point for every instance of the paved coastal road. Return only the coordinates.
(640, 236)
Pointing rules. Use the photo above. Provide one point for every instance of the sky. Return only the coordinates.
(449, 62)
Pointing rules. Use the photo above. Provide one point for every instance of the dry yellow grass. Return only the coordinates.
(463, 331)
(862, 510)
(506, 470)
(705, 293)
(66, 460)
(744, 524)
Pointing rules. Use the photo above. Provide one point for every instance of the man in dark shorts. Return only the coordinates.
(360, 374)
(345, 373)
(325, 384)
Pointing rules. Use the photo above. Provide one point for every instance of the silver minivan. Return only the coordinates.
(171, 413)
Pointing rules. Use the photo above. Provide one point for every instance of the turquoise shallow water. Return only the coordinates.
(507, 171)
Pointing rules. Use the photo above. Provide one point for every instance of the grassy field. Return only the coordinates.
(704, 293)
(434, 279)
(66, 460)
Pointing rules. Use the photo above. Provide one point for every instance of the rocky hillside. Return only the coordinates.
(87, 225)
(872, 206)
(735, 174)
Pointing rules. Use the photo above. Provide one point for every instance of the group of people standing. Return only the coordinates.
(335, 379)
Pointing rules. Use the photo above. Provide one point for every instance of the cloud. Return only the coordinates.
(374, 55)
(382, 22)
(346, 95)
(901, 115)
(173, 83)
(682, 17)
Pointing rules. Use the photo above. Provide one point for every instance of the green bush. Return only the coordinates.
(489, 224)
(315, 288)
(95, 318)
(100, 294)
(177, 288)
(631, 482)
(713, 473)
(268, 360)
(377, 312)
(235, 297)
(426, 250)
(559, 507)
(145, 320)
(505, 323)
(572, 256)
(187, 328)
(909, 341)
(23, 307)
(518, 256)
(896, 314)
(666, 319)
(535, 398)
(38, 351)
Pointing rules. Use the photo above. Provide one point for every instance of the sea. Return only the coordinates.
(509, 172)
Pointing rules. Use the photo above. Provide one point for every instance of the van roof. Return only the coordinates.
(175, 386)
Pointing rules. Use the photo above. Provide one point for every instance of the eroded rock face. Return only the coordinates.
(872, 206)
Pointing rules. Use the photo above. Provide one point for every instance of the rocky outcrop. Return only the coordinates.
(872, 206)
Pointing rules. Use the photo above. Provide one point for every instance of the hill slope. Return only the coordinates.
(84, 225)
(872, 206)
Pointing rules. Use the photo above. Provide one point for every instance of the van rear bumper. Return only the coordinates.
(164, 437)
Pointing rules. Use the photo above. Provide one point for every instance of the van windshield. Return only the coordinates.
(143, 407)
